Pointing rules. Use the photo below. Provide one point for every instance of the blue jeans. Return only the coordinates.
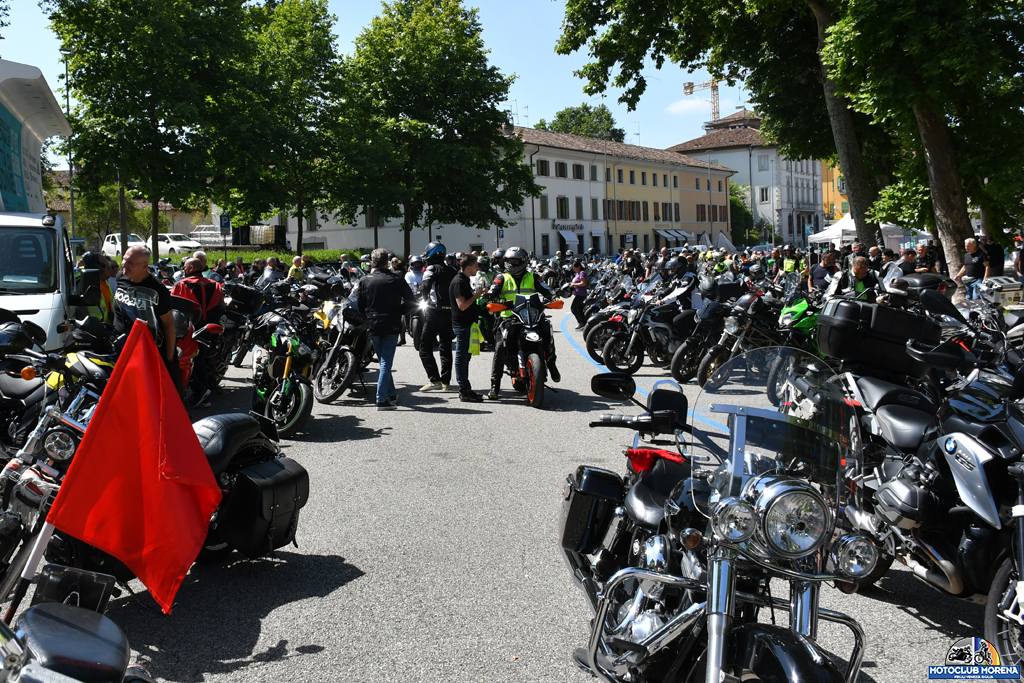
(384, 346)
(972, 290)
(462, 356)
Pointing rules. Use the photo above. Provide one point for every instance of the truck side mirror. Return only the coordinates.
(87, 289)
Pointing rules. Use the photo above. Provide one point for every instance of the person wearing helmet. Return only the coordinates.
(498, 260)
(364, 263)
(437, 321)
(516, 280)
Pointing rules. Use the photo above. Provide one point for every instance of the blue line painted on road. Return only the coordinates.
(582, 351)
(708, 421)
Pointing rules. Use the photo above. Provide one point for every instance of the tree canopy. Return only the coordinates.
(591, 122)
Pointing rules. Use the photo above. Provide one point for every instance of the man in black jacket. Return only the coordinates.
(383, 298)
(437, 321)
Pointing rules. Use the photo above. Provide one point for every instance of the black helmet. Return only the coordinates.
(592, 252)
(484, 261)
(435, 253)
(515, 260)
(498, 258)
(673, 267)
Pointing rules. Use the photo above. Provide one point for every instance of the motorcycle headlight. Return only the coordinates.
(60, 444)
(732, 324)
(796, 523)
(735, 520)
(854, 555)
(786, 321)
(532, 336)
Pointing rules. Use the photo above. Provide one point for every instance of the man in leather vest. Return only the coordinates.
(515, 281)
(437, 321)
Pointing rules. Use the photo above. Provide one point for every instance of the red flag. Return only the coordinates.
(140, 487)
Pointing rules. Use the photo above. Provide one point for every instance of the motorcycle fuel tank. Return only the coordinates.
(966, 459)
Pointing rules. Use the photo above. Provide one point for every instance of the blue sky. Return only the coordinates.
(520, 35)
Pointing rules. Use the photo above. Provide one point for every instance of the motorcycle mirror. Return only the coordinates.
(613, 385)
(556, 304)
(496, 308)
(37, 334)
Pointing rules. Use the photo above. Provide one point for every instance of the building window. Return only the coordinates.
(561, 169)
(675, 181)
(654, 179)
(593, 209)
(543, 206)
(620, 210)
(607, 174)
(846, 207)
(542, 167)
(593, 172)
(643, 177)
(723, 214)
(676, 208)
(696, 183)
(632, 177)
(657, 213)
(579, 208)
(762, 162)
(714, 213)
(701, 213)
(708, 183)
(545, 245)
(841, 184)
(647, 216)
(562, 208)
(578, 172)
(618, 173)
(764, 195)
(666, 211)
(664, 179)
(647, 242)
(719, 185)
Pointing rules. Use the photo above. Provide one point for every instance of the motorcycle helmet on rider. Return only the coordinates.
(434, 253)
(498, 259)
(516, 260)
(416, 263)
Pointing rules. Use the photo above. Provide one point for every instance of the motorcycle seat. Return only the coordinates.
(16, 387)
(877, 393)
(904, 427)
(79, 643)
(222, 435)
(645, 502)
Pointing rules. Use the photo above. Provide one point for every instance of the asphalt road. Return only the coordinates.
(429, 552)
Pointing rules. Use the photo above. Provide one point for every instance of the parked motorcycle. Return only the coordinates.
(648, 331)
(351, 350)
(282, 367)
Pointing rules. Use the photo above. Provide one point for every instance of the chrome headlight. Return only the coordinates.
(735, 520)
(60, 444)
(796, 521)
(854, 555)
(732, 325)
(532, 336)
(786, 321)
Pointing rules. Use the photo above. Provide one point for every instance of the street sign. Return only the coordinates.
(501, 233)
(225, 225)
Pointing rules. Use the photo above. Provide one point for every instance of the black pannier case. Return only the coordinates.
(874, 337)
(261, 512)
(591, 496)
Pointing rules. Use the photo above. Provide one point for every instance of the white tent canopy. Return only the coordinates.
(723, 242)
(845, 230)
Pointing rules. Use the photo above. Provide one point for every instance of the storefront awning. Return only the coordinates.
(680, 235)
(667, 234)
(570, 237)
(597, 233)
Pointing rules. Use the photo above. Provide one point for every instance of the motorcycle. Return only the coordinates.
(750, 324)
(529, 368)
(677, 561)
(282, 367)
(350, 352)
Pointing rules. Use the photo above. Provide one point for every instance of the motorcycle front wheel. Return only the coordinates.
(685, 361)
(598, 337)
(335, 375)
(618, 358)
(708, 375)
(291, 411)
(535, 377)
(1006, 634)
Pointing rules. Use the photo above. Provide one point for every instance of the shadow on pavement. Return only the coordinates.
(447, 403)
(216, 623)
(561, 399)
(938, 612)
(331, 428)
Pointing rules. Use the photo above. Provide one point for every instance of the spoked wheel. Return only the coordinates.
(289, 410)
(335, 375)
(618, 357)
(598, 337)
(1001, 628)
(709, 376)
(535, 377)
(779, 371)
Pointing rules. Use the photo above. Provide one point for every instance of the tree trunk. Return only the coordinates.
(948, 199)
(861, 188)
(154, 225)
(122, 210)
(299, 214)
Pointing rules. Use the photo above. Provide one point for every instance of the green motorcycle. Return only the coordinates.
(798, 322)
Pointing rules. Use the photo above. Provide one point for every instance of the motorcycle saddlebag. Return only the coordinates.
(261, 512)
(873, 336)
(591, 496)
(244, 299)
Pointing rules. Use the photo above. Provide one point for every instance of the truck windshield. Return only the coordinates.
(28, 260)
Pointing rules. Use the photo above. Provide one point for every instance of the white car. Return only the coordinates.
(112, 244)
(176, 243)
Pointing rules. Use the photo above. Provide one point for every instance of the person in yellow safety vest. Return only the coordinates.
(791, 263)
(517, 280)
(104, 310)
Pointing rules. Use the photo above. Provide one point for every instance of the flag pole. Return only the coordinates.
(29, 572)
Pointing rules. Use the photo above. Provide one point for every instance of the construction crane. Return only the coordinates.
(690, 87)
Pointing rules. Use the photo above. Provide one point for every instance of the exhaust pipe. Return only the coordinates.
(943, 575)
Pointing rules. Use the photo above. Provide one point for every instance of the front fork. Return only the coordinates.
(721, 592)
(1016, 471)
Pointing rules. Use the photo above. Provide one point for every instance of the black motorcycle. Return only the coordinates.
(282, 367)
(350, 352)
(530, 328)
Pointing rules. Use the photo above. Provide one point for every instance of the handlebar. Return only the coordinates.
(658, 422)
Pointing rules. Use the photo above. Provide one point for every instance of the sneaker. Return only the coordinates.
(386, 406)
(393, 401)
(493, 394)
(556, 376)
(470, 397)
(432, 386)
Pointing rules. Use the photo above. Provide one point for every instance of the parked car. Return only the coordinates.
(207, 235)
(112, 244)
(176, 243)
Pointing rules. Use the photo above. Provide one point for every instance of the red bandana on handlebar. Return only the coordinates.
(643, 459)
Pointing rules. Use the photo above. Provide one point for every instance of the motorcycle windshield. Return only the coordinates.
(135, 303)
(771, 411)
(529, 309)
(790, 286)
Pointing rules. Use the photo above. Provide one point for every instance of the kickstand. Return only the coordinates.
(362, 383)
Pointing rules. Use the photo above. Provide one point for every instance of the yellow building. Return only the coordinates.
(834, 202)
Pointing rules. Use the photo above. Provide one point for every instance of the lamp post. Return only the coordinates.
(71, 160)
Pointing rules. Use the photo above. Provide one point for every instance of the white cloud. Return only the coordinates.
(687, 105)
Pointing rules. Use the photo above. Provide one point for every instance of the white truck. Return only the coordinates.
(37, 276)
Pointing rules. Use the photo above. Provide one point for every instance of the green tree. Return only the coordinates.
(98, 214)
(771, 45)
(147, 76)
(434, 144)
(5, 15)
(591, 122)
(286, 152)
(741, 220)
